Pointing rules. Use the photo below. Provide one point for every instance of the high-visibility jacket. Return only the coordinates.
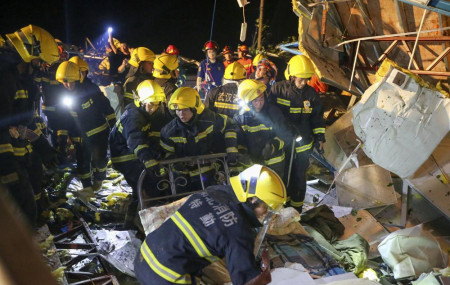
(208, 132)
(90, 109)
(247, 63)
(302, 109)
(223, 99)
(136, 135)
(199, 233)
(130, 85)
(256, 129)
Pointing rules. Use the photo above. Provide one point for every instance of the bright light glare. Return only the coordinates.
(110, 29)
(299, 138)
(67, 101)
(242, 103)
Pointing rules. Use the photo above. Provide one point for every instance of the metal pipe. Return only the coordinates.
(354, 65)
(417, 39)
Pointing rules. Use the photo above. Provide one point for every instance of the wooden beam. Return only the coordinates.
(438, 59)
(385, 53)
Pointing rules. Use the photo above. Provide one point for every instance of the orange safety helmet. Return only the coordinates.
(171, 49)
(210, 45)
(243, 48)
(226, 50)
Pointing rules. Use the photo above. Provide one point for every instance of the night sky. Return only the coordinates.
(154, 24)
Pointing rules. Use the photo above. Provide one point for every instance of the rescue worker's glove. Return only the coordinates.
(265, 277)
(155, 169)
(318, 146)
(267, 151)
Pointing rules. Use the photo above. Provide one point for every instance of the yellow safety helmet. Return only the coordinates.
(261, 182)
(141, 54)
(164, 65)
(300, 66)
(80, 62)
(286, 74)
(116, 43)
(148, 91)
(68, 71)
(186, 97)
(34, 42)
(258, 58)
(250, 89)
(235, 71)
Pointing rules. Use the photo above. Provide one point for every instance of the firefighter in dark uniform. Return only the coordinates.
(262, 127)
(141, 62)
(165, 71)
(134, 140)
(18, 56)
(224, 99)
(93, 116)
(303, 109)
(212, 225)
(197, 131)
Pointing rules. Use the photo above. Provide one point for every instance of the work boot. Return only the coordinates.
(97, 185)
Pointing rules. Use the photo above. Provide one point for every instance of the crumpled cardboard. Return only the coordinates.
(411, 252)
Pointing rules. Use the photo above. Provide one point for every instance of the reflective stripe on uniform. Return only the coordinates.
(37, 196)
(204, 133)
(275, 160)
(123, 158)
(62, 133)
(84, 175)
(6, 148)
(10, 178)
(99, 169)
(166, 147)
(303, 148)
(253, 129)
(283, 102)
(21, 94)
(37, 131)
(295, 110)
(226, 105)
(164, 272)
(139, 147)
(76, 139)
(111, 116)
(230, 135)
(296, 204)
(97, 130)
(128, 95)
(281, 143)
(155, 134)
(48, 108)
(319, 131)
(150, 163)
(225, 120)
(231, 149)
(21, 151)
(119, 126)
(193, 237)
(178, 139)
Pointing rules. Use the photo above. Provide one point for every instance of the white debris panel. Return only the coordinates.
(401, 122)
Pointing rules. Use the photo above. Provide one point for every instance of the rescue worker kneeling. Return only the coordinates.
(93, 116)
(262, 126)
(196, 131)
(212, 225)
(134, 141)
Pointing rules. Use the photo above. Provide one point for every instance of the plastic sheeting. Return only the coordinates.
(401, 122)
(411, 252)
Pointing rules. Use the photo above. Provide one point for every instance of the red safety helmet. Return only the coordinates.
(270, 66)
(243, 48)
(226, 50)
(210, 45)
(171, 49)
